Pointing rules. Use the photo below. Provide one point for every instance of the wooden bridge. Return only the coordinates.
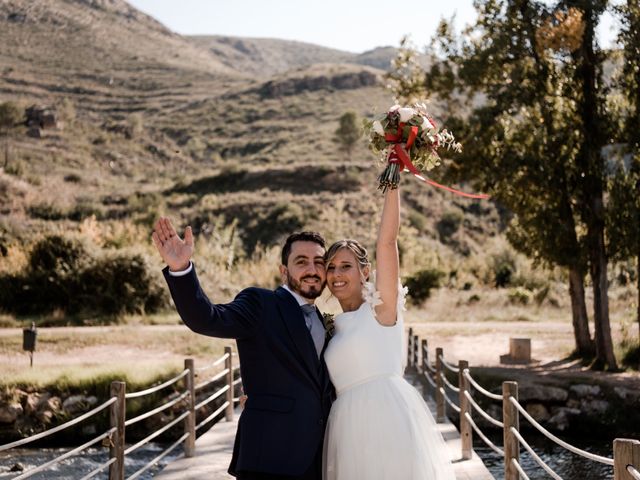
(208, 456)
(213, 453)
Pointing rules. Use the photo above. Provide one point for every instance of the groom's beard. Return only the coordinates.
(306, 291)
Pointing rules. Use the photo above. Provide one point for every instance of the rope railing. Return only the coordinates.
(164, 453)
(553, 438)
(449, 401)
(212, 416)
(448, 365)
(98, 470)
(159, 409)
(214, 364)
(116, 434)
(488, 442)
(521, 472)
(626, 452)
(449, 384)
(212, 397)
(631, 470)
(479, 409)
(479, 387)
(64, 456)
(215, 378)
(429, 379)
(157, 388)
(534, 455)
(70, 423)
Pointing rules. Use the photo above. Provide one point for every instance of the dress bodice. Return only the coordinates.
(361, 349)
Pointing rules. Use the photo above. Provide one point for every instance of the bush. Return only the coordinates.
(46, 211)
(520, 296)
(421, 283)
(64, 275)
(56, 254)
(119, 284)
(449, 224)
(503, 266)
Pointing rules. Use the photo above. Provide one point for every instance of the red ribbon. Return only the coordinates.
(398, 154)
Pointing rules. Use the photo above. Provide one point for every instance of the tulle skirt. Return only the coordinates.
(383, 430)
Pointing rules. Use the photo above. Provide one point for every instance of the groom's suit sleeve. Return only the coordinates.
(237, 319)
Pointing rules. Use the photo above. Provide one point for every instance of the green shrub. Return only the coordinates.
(421, 283)
(520, 296)
(268, 229)
(46, 211)
(503, 266)
(449, 223)
(56, 254)
(119, 283)
(64, 275)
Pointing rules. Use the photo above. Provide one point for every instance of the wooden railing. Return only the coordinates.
(626, 452)
(114, 437)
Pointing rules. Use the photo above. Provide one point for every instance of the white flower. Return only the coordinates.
(377, 127)
(406, 113)
(371, 295)
(426, 124)
(394, 108)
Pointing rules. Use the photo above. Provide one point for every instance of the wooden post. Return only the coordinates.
(440, 412)
(425, 356)
(116, 420)
(625, 452)
(228, 363)
(416, 353)
(510, 418)
(466, 431)
(190, 420)
(410, 348)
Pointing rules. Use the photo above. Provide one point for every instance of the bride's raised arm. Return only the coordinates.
(387, 259)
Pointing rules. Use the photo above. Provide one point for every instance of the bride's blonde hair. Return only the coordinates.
(356, 248)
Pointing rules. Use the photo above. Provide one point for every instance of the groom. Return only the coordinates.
(281, 340)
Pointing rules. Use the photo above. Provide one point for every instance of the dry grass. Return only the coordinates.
(73, 356)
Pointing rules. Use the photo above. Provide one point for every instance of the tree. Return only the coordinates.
(624, 206)
(11, 115)
(348, 132)
(517, 144)
(588, 91)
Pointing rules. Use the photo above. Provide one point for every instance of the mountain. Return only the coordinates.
(218, 132)
(263, 57)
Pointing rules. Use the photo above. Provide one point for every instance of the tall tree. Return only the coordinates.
(624, 208)
(517, 142)
(593, 124)
(348, 132)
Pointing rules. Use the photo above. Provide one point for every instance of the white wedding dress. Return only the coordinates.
(379, 427)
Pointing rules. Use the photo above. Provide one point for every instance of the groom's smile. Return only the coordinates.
(305, 271)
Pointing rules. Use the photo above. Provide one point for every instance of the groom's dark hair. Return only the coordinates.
(300, 237)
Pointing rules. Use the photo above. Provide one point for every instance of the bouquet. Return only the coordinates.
(407, 138)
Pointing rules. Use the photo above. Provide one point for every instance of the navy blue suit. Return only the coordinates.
(281, 428)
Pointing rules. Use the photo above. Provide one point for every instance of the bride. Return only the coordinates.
(379, 427)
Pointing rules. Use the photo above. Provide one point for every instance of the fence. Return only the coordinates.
(626, 452)
(114, 437)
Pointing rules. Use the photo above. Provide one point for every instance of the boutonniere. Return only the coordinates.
(329, 324)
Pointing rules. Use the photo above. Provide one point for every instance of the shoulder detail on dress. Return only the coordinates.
(373, 297)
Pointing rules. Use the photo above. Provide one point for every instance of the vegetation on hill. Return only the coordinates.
(235, 137)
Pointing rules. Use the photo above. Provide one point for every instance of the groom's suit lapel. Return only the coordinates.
(293, 319)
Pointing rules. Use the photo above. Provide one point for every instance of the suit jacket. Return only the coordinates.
(282, 425)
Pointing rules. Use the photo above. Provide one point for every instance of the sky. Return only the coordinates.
(351, 25)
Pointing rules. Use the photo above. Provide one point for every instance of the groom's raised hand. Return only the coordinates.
(174, 251)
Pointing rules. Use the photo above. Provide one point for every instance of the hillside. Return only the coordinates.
(150, 122)
(263, 57)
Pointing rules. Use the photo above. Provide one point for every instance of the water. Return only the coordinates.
(79, 465)
(566, 464)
